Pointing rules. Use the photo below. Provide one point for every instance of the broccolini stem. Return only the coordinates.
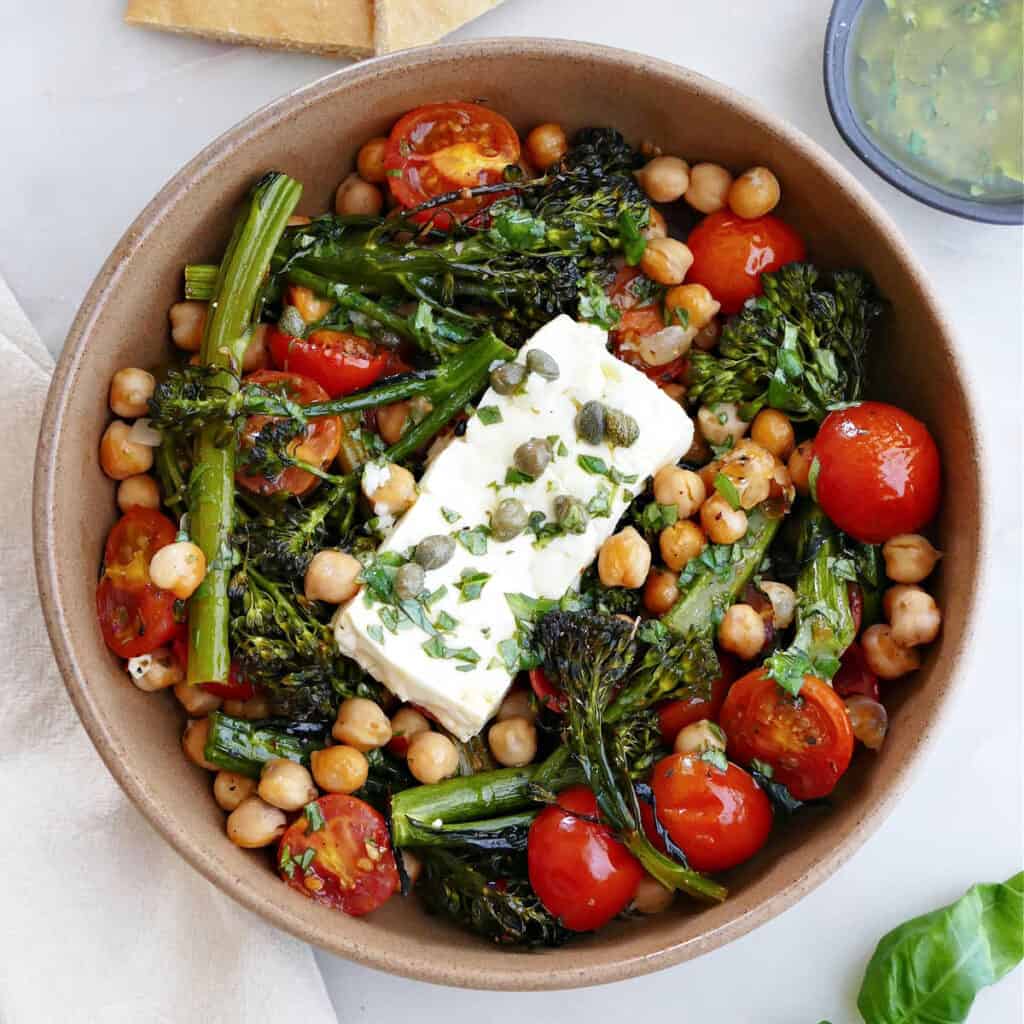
(669, 873)
(393, 389)
(200, 281)
(507, 832)
(169, 470)
(240, 746)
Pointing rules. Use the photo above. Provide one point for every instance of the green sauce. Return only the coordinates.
(938, 84)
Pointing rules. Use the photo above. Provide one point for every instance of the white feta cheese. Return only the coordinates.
(375, 476)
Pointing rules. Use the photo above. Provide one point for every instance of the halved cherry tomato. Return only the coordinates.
(136, 619)
(547, 693)
(138, 535)
(236, 688)
(352, 867)
(674, 715)
(578, 869)
(730, 254)
(718, 819)
(318, 447)
(638, 320)
(854, 676)
(879, 472)
(339, 362)
(807, 739)
(443, 147)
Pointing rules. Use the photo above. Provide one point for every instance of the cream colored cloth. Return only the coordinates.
(100, 921)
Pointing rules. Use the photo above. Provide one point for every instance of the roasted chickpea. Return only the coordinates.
(130, 392)
(722, 523)
(799, 466)
(665, 178)
(139, 491)
(868, 719)
(624, 560)
(680, 543)
(651, 896)
(355, 196)
(721, 423)
(709, 187)
(783, 602)
(661, 591)
(332, 576)
(742, 631)
(361, 724)
(707, 337)
(909, 558)
(252, 710)
(750, 468)
(518, 703)
(155, 671)
(513, 741)
(370, 161)
(754, 193)
(432, 757)
(406, 723)
(193, 742)
(188, 322)
(195, 700)
(772, 429)
(254, 823)
(913, 615)
(699, 737)
(286, 784)
(656, 226)
(179, 567)
(230, 789)
(666, 260)
(390, 489)
(695, 301)
(391, 421)
(546, 145)
(884, 656)
(256, 356)
(121, 458)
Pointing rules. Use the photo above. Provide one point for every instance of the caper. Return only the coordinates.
(508, 378)
(409, 581)
(434, 551)
(533, 457)
(291, 322)
(570, 514)
(590, 422)
(620, 428)
(509, 519)
(540, 363)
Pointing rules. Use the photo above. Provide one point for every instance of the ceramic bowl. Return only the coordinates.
(314, 134)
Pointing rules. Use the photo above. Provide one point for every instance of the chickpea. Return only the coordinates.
(391, 421)
(799, 466)
(195, 700)
(666, 260)
(546, 145)
(361, 724)
(656, 226)
(651, 896)
(707, 337)
(130, 392)
(286, 784)
(665, 178)
(782, 483)
(709, 187)
(332, 576)
(256, 355)
(251, 710)
(121, 458)
(518, 703)
(720, 423)
(413, 866)
(868, 719)
(340, 769)
(370, 161)
(722, 523)
(754, 193)
(406, 723)
(355, 196)
(783, 602)
(695, 301)
(193, 742)
(772, 429)
(432, 757)
(750, 468)
(139, 491)
(188, 322)
(156, 671)
(884, 656)
(909, 558)
(309, 305)
(513, 741)
(230, 789)
(680, 543)
(253, 824)
(698, 737)
(661, 591)
(179, 567)
(913, 615)
(742, 631)
(624, 560)
(393, 492)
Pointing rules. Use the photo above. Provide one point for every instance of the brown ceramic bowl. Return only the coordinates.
(314, 135)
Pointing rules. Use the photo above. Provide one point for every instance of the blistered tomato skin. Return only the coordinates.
(879, 472)
(674, 715)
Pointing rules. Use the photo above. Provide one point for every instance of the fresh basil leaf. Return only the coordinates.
(488, 415)
(474, 541)
(727, 489)
(594, 304)
(314, 817)
(633, 241)
(788, 669)
(471, 583)
(515, 477)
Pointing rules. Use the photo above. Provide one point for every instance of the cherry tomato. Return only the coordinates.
(879, 472)
(806, 739)
(718, 819)
(578, 869)
(134, 620)
(318, 447)
(138, 535)
(547, 693)
(674, 715)
(856, 598)
(352, 866)
(637, 320)
(340, 363)
(730, 254)
(236, 688)
(447, 146)
(854, 676)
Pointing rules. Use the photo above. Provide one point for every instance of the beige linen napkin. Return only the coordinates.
(101, 922)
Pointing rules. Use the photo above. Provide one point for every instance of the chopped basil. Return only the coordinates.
(716, 757)
(727, 489)
(471, 583)
(445, 623)
(600, 505)
(596, 466)
(450, 515)
(474, 540)
(285, 862)
(509, 651)
(488, 415)
(305, 861)
(375, 633)
(655, 517)
(514, 477)
(435, 647)
(314, 817)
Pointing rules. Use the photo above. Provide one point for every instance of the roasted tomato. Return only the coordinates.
(717, 818)
(343, 858)
(578, 869)
(134, 620)
(807, 739)
(547, 693)
(674, 715)
(638, 319)
(878, 471)
(138, 535)
(318, 447)
(443, 147)
(730, 254)
(339, 362)
(854, 676)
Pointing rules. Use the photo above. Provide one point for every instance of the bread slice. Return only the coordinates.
(399, 24)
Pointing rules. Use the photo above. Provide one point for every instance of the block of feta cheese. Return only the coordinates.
(450, 661)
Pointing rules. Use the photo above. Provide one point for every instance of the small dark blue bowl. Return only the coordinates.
(837, 91)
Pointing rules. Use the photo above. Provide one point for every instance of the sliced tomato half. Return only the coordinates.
(341, 363)
(134, 620)
(138, 535)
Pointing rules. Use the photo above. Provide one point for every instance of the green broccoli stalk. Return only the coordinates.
(237, 745)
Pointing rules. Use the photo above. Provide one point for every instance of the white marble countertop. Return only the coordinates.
(97, 116)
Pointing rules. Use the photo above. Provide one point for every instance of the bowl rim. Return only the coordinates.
(835, 68)
(513, 977)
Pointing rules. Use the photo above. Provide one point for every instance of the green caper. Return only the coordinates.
(620, 428)
(291, 322)
(533, 457)
(509, 519)
(434, 551)
(590, 422)
(570, 514)
(409, 581)
(508, 378)
(540, 363)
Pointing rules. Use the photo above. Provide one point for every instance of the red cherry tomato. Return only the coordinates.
(807, 739)
(236, 688)
(339, 362)
(547, 693)
(442, 147)
(352, 868)
(854, 676)
(138, 535)
(578, 869)
(856, 598)
(730, 254)
(718, 819)
(134, 620)
(879, 471)
(674, 715)
(318, 447)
